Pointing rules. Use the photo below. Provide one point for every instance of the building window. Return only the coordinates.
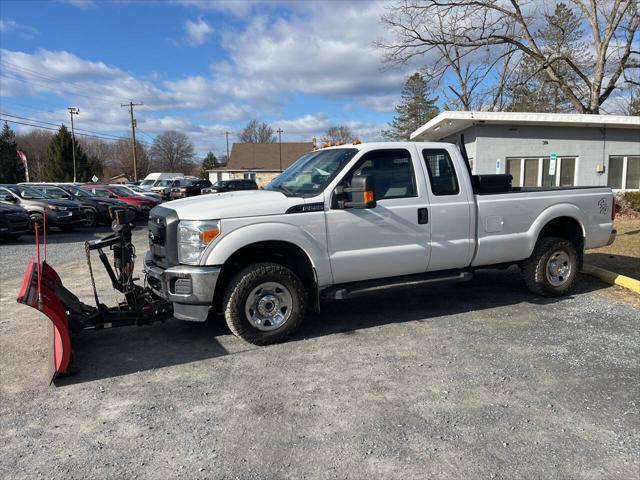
(624, 172)
(539, 171)
(250, 176)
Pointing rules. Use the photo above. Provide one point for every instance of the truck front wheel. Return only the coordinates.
(552, 267)
(264, 303)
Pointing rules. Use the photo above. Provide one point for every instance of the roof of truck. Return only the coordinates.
(449, 123)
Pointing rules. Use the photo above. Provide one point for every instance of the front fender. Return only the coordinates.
(219, 252)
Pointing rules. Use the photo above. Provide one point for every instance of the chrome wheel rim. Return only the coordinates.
(268, 306)
(559, 268)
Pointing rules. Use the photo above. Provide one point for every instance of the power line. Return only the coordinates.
(115, 137)
(56, 129)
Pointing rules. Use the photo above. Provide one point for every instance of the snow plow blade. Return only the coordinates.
(43, 290)
(38, 291)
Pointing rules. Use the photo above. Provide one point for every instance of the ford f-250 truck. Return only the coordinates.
(359, 219)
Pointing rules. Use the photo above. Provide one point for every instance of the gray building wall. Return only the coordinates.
(591, 145)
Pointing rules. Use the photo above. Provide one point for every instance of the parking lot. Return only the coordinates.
(481, 380)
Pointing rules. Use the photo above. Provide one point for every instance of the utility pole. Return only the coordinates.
(73, 111)
(280, 132)
(130, 105)
(227, 135)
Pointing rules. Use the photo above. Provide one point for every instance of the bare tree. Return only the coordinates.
(257, 132)
(476, 40)
(173, 152)
(338, 133)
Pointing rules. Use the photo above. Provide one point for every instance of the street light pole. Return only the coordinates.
(73, 111)
(280, 132)
(226, 134)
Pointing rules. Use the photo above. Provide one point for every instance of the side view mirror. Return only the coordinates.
(362, 193)
(8, 198)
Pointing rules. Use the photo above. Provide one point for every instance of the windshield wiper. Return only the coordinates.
(284, 190)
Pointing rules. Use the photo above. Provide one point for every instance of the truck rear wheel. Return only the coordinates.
(264, 303)
(552, 267)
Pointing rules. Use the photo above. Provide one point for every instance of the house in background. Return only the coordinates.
(545, 149)
(259, 161)
(122, 178)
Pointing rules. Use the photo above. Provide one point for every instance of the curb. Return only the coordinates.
(612, 278)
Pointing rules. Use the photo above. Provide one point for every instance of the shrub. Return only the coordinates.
(633, 199)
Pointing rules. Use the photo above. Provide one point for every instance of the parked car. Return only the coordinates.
(163, 187)
(143, 193)
(142, 204)
(152, 179)
(103, 204)
(14, 221)
(63, 214)
(55, 192)
(188, 187)
(362, 219)
(231, 186)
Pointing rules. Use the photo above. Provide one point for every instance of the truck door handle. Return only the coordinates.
(423, 216)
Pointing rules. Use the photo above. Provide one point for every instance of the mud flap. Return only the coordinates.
(38, 291)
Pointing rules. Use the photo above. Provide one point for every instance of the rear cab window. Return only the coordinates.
(442, 172)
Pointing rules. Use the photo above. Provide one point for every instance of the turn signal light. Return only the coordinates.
(208, 236)
(369, 197)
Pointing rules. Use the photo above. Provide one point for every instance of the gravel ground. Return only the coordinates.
(481, 380)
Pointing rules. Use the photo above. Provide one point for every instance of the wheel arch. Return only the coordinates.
(563, 221)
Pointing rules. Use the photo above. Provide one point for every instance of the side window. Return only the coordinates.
(442, 174)
(392, 173)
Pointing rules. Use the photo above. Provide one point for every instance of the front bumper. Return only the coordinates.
(189, 288)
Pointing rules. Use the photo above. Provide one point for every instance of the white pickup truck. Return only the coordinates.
(360, 219)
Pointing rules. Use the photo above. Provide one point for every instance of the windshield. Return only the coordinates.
(147, 183)
(311, 173)
(27, 192)
(163, 183)
(54, 192)
(79, 192)
(121, 191)
(220, 183)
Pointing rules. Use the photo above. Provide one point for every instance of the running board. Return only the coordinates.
(369, 287)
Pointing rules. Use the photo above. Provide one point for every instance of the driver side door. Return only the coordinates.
(391, 239)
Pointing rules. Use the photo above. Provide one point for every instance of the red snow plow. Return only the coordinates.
(43, 290)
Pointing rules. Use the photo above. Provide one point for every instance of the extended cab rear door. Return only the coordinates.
(451, 207)
(392, 238)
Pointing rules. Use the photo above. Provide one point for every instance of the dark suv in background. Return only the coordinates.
(231, 186)
(188, 187)
(63, 214)
(14, 221)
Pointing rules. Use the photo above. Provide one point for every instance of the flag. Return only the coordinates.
(23, 157)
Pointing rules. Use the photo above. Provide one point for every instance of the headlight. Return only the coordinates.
(193, 238)
(58, 209)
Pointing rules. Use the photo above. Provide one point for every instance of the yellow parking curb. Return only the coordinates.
(612, 278)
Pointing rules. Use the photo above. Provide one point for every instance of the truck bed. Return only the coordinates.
(508, 223)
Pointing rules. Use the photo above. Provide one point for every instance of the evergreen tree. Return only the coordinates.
(11, 168)
(58, 166)
(208, 163)
(415, 110)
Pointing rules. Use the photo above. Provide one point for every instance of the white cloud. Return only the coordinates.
(82, 4)
(9, 26)
(198, 31)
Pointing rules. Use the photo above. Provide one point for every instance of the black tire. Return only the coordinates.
(537, 271)
(244, 283)
(90, 219)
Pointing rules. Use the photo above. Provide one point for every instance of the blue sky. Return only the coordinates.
(201, 67)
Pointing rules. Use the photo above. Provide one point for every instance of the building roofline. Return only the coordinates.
(450, 122)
